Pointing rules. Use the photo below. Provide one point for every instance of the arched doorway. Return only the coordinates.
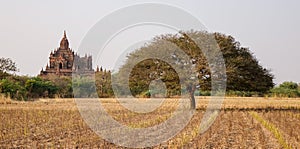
(60, 65)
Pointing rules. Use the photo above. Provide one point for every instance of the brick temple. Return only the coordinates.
(63, 61)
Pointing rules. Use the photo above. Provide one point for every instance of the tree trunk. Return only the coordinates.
(191, 88)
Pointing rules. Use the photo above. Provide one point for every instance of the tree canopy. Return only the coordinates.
(244, 73)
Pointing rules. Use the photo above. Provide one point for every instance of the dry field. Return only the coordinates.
(242, 123)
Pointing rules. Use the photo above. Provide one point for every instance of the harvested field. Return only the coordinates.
(242, 123)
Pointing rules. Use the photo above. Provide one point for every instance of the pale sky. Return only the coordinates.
(30, 29)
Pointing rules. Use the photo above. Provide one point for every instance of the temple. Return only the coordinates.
(63, 61)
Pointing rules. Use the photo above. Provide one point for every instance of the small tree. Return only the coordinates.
(7, 65)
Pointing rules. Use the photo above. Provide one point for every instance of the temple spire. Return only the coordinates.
(65, 35)
(64, 43)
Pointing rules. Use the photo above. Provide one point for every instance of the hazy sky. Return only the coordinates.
(30, 29)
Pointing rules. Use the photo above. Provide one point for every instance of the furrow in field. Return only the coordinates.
(272, 128)
(287, 123)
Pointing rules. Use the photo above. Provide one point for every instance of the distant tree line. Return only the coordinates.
(28, 88)
(50, 86)
(286, 89)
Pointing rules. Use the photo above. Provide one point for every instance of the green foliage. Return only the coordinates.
(63, 84)
(13, 89)
(146, 94)
(243, 70)
(11, 85)
(24, 88)
(289, 85)
(38, 87)
(286, 89)
(103, 84)
(243, 94)
(141, 77)
(202, 93)
(84, 87)
(4, 75)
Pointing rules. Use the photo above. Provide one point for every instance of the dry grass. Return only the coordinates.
(56, 123)
(5, 100)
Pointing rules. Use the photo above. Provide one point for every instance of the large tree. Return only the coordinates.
(244, 73)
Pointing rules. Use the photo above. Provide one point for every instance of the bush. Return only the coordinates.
(13, 89)
(36, 88)
(286, 89)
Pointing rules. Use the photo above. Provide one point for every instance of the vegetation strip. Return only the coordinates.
(272, 128)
